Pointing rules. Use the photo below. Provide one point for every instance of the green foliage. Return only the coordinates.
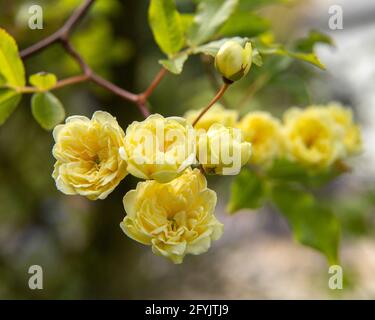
(211, 15)
(9, 100)
(255, 4)
(47, 110)
(245, 24)
(11, 67)
(312, 224)
(43, 80)
(176, 64)
(267, 46)
(166, 25)
(247, 191)
(12, 75)
(285, 170)
(314, 37)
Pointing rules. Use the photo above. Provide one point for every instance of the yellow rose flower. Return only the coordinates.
(175, 218)
(352, 133)
(313, 137)
(216, 114)
(159, 148)
(265, 135)
(222, 150)
(88, 161)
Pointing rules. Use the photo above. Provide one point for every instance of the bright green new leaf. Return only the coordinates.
(312, 224)
(210, 16)
(176, 64)
(166, 25)
(247, 191)
(43, 80)
(9, 99)
(12, 70)
(47, 110)
(307, 44)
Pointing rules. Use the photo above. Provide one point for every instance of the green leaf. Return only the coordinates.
(312, 224)
(245, 24)
(187, 20)
(176, 64)
(47, 110)
(285, 170)
(212, 48)
(12, 70)
(9, 100)
(307, 44)
(257, 58)
(210, 16)
(247, 191)
(43, 80)
(166, 25)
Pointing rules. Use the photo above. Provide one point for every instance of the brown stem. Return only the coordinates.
(70, 81)
(215, 84)
(154, 83)
(218, 96)
(113, 88)
(60, 34)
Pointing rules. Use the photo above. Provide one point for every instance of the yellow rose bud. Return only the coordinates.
(233, 61)
(175, 218)
(216, 114)
(265, 135)
(313, 137)
(222, 150)
(88, 161)
(159, 148)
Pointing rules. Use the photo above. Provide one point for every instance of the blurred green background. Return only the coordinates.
(79, 244)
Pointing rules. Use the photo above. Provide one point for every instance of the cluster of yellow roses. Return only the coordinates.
(315, 137)
(173, 210)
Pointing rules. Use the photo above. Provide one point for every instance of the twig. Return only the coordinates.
(62, 33)
(212, 76)
(218, 96)
(62, 36)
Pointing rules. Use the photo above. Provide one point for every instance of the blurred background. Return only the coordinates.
(79, 244)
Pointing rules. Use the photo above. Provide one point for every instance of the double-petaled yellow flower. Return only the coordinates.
(222, 150)
(216, 114)
(175, 218)
(313, 137)
(265, 135)
(344, 118)
(87, 153)
(159, 148)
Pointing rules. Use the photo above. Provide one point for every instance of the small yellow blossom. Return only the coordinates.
(265, 135)
(159, 148)
(175, 218)
(222, 150)
(352, 133)
(313, 137)
(88, 161)
(216, 114)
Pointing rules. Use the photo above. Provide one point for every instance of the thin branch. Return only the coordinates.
(218, 96)
(113, 88)
(215, 84)
(60, 34)
(154, 84)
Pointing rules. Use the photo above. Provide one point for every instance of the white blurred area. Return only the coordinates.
(350, 66)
